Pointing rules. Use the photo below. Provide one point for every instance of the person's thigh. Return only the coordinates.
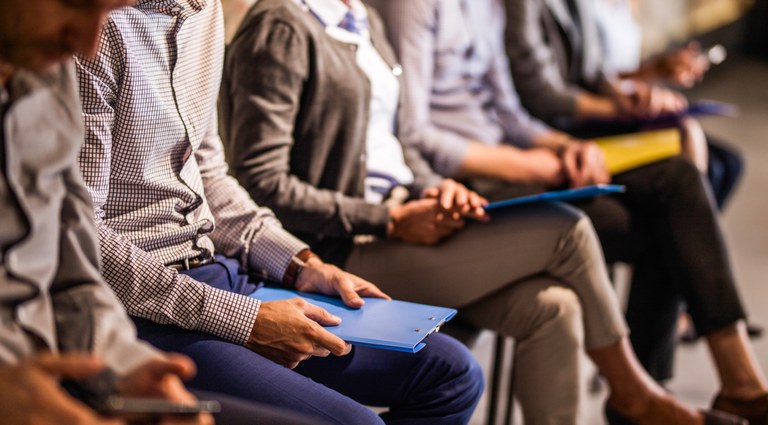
(234, 370)
(471, 264)
(440, 384)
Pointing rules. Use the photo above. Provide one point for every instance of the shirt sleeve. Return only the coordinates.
(243, 229)
(534, 64)
(412, 26)
(520, 128)
(267, 70)
(143, 284)
(78, 289)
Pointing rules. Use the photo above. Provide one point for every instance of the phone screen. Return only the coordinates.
(116, 405)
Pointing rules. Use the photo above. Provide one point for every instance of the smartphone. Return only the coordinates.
(118, 406)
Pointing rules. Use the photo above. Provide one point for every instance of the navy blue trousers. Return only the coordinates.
(441, 384)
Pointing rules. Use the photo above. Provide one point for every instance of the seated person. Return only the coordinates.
(309, 101)
(183, 246)
(462, 112)
(59, 320)
(557, 61)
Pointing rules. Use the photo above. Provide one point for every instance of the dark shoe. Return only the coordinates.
(754, 410)
(711, 417)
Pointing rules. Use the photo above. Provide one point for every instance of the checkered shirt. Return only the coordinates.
(155, 167)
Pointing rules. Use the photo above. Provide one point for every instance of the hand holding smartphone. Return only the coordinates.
(130, 406)
(98, 392)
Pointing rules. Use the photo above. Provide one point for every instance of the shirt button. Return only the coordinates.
(207, 227)
(397, 70)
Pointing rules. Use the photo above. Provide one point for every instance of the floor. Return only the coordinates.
(743, 82)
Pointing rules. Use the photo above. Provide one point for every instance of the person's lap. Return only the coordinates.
(518, 244)
(441, 383)
(333, 389)
(474, 262)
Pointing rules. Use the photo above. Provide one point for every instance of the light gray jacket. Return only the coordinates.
(52, 297)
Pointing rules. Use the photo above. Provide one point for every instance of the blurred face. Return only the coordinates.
(37, 34)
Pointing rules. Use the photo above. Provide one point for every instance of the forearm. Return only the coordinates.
(590, 106)
(501, 162)
(303, 207)
(149, 289)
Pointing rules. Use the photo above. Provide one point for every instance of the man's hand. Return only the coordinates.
(422, 221)
(328, 279)
(457, 201)
(161, 378)
(289, 332)
(584, 164)
(30, 393)
(650, 100)
(685, 66)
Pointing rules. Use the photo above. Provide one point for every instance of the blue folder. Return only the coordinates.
(392, 325)
(559, 195)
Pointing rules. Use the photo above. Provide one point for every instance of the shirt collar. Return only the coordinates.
(331, 12)
(23, 82)
(171, 7)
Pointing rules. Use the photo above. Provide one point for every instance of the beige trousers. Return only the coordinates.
(535, 273)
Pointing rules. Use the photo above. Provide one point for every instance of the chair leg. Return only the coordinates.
(510, 411)
(497, 369)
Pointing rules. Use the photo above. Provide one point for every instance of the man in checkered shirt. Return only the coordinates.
(180, 238)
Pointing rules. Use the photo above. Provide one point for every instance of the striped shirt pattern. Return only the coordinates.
(155, 167)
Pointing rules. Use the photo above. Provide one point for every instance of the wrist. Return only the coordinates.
(394, 218)
(296, 266)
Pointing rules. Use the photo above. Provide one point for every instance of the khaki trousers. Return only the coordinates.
(535, 273)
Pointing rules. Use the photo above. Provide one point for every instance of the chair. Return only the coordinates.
(468, 334)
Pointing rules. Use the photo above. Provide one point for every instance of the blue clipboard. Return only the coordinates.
(559, 195)
(391, 325)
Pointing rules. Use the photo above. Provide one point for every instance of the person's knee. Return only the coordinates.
(559, 316)
(679, 168)
(454, 364)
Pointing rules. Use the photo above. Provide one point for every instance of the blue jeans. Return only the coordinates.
(441, 384)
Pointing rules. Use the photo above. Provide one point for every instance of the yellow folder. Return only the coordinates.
(627, 151)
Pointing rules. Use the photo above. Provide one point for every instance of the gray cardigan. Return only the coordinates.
(294, 112)
(553, 54)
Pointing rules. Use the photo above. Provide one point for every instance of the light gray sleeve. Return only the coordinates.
(520, 128)
(88, 315)
(412, 26)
